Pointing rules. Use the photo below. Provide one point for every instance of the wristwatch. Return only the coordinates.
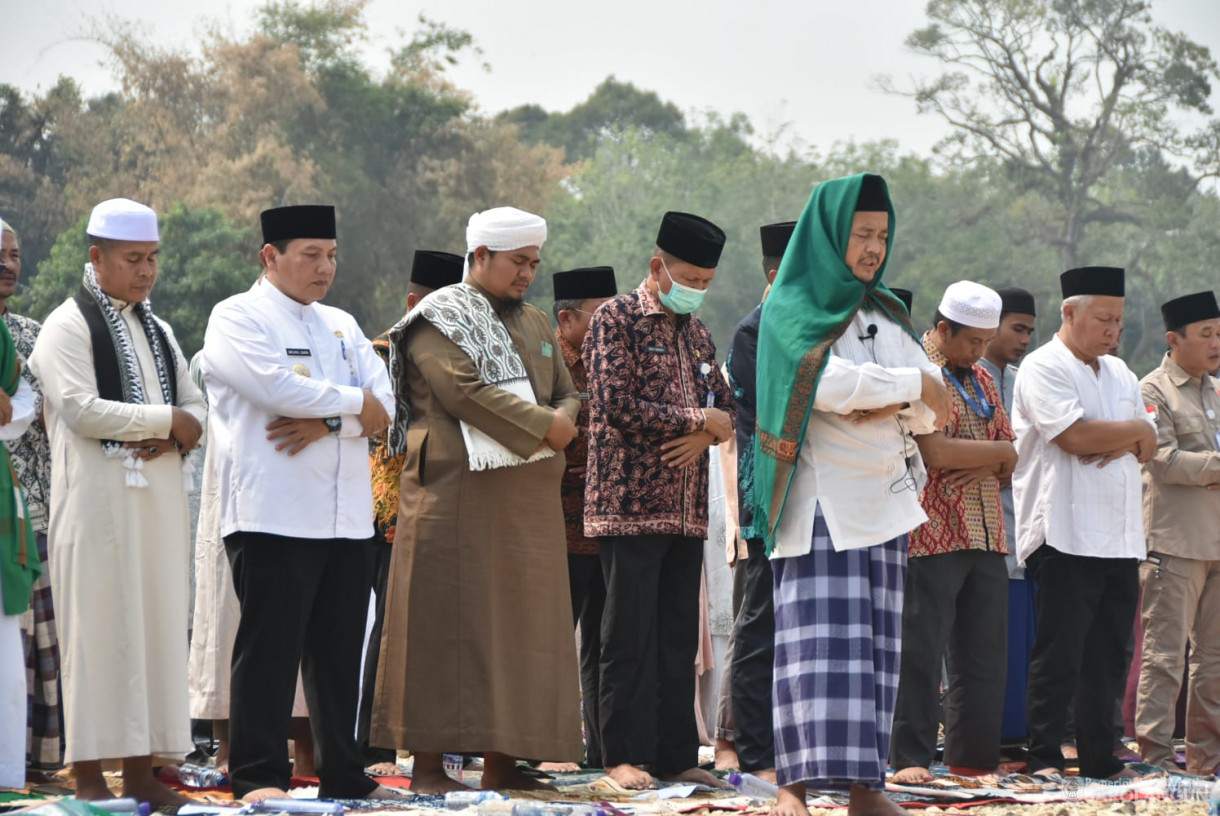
(333, 424)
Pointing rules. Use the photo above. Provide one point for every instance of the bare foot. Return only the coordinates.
(911, 776)
(767, 775)
(559, 767)
(1125, 773)
(1047, 773)
(865, 802)
(259, 794)
(630, 777)
(154, 792)
(1069, 751)
(790, 801)
(726, 755)
(384, 769)
(382, 792)
(697, 776)
(90, 782)
(434, 782)
(92, 791)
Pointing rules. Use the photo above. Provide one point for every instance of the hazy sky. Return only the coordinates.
(810, 63)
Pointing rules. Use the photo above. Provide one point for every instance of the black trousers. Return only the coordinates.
(753, 661)
(304, 602)
(650, 634)
(955, 609)
(381, 577)
(588, 600)
(1086, 608)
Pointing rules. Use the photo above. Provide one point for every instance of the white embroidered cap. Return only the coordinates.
(505, 228)
(972, 304)
(121, 219)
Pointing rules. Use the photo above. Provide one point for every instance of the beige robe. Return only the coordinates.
(119, 555)
(477, 652)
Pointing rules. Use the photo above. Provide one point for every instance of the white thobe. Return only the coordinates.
(860, 474)
(1076, 508)
(266, 356)
(119, 554)
(12, 660)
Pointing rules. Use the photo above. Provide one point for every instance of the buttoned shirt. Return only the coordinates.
(866, 477)
(1182, 516)
(970, 518)
(1076, 508)
(266, 356)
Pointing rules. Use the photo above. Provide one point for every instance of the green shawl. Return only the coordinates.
(19, 562)
(814, 300)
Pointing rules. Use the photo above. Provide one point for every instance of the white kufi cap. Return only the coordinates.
(971, 304)
(505, 228)
(121, 219)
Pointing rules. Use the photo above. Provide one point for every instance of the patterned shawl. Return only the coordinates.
(814, 299)
(19, 563)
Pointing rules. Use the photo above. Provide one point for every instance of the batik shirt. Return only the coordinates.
(577, 455)
(970, 518)
(649, 380)
(31, 454)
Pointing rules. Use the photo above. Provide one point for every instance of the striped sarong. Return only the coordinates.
(44, 726)
(838, 642)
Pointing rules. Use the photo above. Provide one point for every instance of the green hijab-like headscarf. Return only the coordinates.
(813, 301)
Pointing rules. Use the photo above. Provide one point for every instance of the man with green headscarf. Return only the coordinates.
(842, 384)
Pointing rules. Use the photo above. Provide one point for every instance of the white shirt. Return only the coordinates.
(266, 356)
(1076, 508)
(857, 472)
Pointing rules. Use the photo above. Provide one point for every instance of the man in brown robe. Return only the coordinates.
(477, 655)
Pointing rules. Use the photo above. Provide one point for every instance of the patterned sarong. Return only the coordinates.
(838, 640)
(44, 732)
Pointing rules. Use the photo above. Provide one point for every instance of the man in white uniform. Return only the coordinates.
(295, 388)
(1082, 433)
(122, 412)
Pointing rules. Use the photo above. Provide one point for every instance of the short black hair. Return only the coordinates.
(281, 246)
(770, 262)
(570, 304)
(491, 253)
(104, 244)
(954, 326)
(1180, 330)
(418, 289)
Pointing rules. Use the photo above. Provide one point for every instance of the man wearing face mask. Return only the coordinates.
(657, 402)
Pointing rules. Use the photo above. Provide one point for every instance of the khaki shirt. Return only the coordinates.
(1181, 516)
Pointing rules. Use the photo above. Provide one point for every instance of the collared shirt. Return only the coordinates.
(649, 381)
(1076, 508)
(973, 518)
(1182, 516)
(577, 455)
(31, 454)
(266, 356)
(1005, 381)
(866, 477)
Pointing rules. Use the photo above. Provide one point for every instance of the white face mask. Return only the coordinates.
(680, 299)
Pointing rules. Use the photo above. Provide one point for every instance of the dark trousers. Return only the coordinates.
(650, 634)
(381, 577)
(753, 661)
(955, 609)
(304, 602)
(588, 600)
(1086, 608)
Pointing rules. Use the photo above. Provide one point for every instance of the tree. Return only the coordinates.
(1063, 91)
(204, 259)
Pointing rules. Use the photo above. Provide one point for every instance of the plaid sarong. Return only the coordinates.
(838, 639)
(44, 730)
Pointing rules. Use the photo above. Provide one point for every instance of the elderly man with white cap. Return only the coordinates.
(477, 654)
(956, 603)
(122, 413)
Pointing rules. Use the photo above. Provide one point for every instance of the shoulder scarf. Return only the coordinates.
(118, 370)
(814, 299)
(19, 562)
(464, 315)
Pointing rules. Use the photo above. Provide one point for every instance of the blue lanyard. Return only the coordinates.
(985, 410)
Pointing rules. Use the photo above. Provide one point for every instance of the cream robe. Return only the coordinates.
(119, 567)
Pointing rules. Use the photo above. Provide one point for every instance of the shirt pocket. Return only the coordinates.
(1192, 432)
(417, 453)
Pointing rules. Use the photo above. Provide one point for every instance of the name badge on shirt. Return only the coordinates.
(584, 396)
(547, 349)
(657, 349)
(299, 353)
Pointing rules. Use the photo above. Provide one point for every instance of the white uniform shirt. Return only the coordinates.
(265, 356)
(1076, 508)
(858, 473)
